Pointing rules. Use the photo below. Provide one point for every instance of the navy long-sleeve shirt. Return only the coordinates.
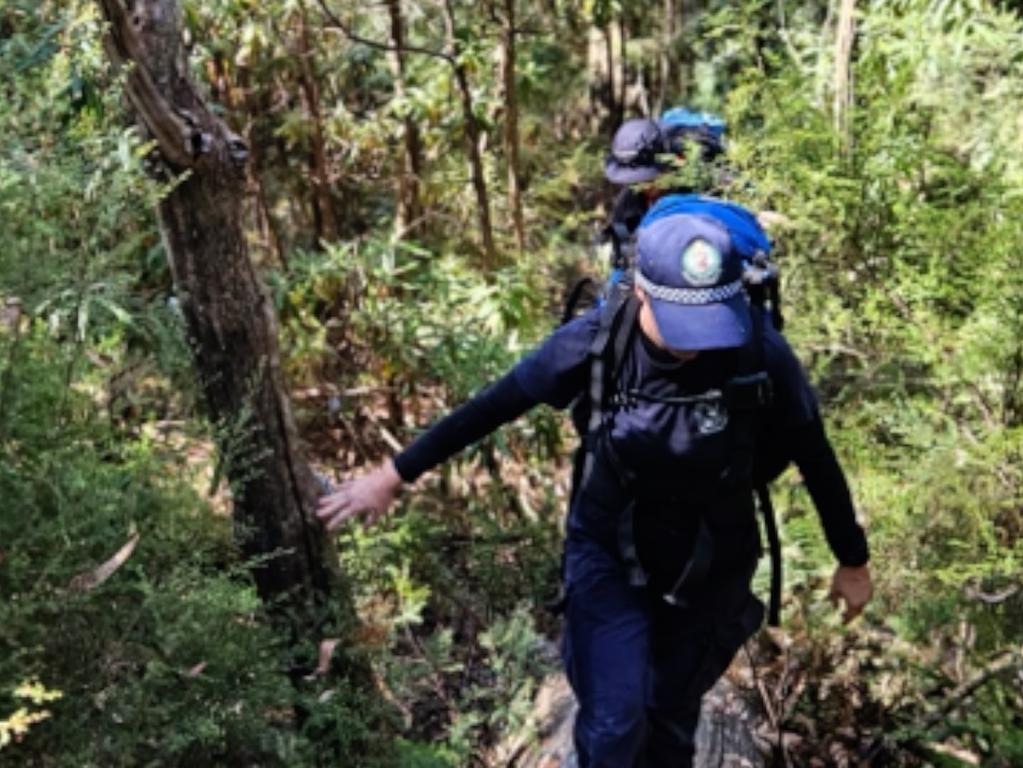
(558, 371)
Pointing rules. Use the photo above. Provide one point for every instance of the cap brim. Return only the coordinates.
(624, 174)
(696, 327)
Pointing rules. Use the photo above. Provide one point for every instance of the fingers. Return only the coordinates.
(341, 517)
(331, 505)
(334, 509)
(851, 612)
(348, 502)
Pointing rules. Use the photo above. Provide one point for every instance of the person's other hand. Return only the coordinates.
(370, 495)
(853, 585)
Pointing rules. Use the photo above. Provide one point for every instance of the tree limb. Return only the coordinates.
(178, 140)
(355, 38)
(1001, 663)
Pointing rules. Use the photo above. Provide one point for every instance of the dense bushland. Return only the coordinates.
(899, 231)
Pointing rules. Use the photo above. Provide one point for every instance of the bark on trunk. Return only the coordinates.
(407, 220)
(471, 133)
(844, 37)
(230, 320)
(511, 123)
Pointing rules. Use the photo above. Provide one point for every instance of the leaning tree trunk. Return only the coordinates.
(230, 321)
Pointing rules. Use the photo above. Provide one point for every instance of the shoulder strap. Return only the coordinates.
(581, 286)
(617, 322)
(763, 492)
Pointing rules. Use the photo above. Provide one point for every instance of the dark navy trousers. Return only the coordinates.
(639, 666)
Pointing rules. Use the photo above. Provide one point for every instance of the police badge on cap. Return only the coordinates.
(698, 301)
(701, 263)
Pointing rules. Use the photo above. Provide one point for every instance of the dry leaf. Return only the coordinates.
(326, 652)
(957, 752)
(83, 582)
(771, 219)
(326, 696)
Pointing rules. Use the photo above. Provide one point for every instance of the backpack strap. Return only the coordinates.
(761, 489)
(579, 289)
(607, 355)
(774, 547)
(617, 323)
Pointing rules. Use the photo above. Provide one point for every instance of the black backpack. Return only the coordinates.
(747, 393)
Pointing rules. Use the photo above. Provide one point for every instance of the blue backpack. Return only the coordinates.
(681, 124)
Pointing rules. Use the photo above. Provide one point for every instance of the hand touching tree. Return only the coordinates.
(370, 495)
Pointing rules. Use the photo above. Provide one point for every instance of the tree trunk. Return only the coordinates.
(231, 324)
(623, 66)
(471, 132)
(845, 35)
(614, 114)
(407, 220)
(323, 204)
(511, 123)
(683, 67)
(666, 60)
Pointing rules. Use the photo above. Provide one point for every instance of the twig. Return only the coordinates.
(347, 32)
(772, 716)
(385, 433)
(1004, 661)
(991, 598)
(435, 675)
(354, 437)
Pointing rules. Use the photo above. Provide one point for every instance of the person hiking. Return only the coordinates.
(640, 152)
(661, 540)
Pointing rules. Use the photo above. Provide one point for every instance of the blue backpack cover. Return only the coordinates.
(747, 235)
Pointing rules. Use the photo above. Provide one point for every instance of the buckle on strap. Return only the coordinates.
(749, 392)
(695, 570)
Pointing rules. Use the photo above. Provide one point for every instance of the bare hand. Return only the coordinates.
(370, 495)
(853, 585)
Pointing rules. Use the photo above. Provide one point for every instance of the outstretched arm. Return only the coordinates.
(554, 373)
(371, 495)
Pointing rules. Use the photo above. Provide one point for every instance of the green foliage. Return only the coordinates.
(902, 267)
(14, 727)
(904, 289)
(452, 643)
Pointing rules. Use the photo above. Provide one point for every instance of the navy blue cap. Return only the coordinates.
(634, 152)
(692, 275)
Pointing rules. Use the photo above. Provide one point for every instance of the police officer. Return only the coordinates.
(668, 483)
(640, 152)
